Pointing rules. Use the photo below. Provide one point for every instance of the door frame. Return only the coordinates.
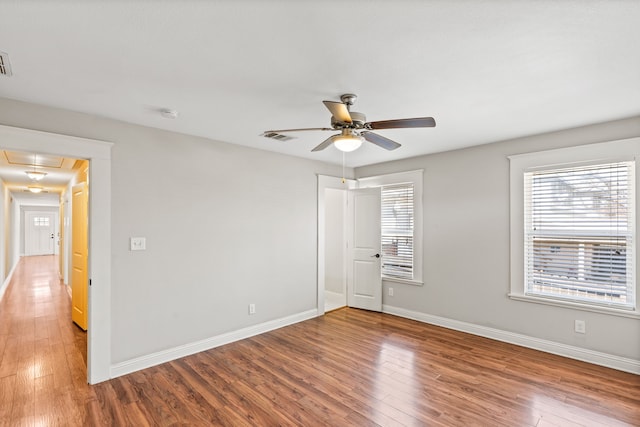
(99, 155)
(324, 182)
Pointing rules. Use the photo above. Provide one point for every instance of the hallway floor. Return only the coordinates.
(42, 353)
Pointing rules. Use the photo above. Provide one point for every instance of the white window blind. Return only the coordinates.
(579, 225)
(397, 230)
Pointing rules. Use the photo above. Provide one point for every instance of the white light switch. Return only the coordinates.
(138, 244)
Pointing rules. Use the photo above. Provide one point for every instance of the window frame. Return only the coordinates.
(597, 153)
(394, 239)
(414, 177)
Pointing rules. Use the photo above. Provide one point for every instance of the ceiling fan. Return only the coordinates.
(353, 127)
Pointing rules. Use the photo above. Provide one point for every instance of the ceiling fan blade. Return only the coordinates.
(419, 122)
(339, 111)
(294, 130)
(380, 140)
(327, 142)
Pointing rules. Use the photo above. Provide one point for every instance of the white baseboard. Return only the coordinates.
(6, 282)
(334, 300)
(168, 355)
(335, 295)
(585, 355)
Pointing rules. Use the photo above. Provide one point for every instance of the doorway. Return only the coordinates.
(349, 246)
(335, 286)
(55, 178)
(332, 232)
(99, 263)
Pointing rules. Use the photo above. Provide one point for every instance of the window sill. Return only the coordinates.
(412, 282)
(632, 314)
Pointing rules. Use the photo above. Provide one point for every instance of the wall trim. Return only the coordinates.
(6, 282)
(170, 354)
(572, 352)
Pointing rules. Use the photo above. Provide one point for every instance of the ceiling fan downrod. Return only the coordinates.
(348, 99)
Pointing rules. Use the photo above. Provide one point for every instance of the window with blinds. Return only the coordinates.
(397, 231)
(579, 225)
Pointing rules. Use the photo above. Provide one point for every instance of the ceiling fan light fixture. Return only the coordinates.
(35, 175)
(348, 141)
(35, 189)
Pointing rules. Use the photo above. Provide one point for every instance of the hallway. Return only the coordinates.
(42, 353)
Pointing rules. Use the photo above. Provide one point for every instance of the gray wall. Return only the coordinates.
(225, 226)
(466, 244)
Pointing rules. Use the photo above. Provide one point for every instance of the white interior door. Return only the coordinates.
(364, 281)
(40, 231)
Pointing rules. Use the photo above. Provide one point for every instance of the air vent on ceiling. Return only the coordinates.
(277, 136)
(5, 67)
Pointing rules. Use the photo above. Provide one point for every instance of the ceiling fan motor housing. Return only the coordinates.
(357, 121)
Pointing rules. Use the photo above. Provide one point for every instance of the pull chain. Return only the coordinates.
(343, 180)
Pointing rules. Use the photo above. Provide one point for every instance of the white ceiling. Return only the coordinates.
(485, 70)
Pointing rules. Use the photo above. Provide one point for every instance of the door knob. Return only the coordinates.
(376, 255)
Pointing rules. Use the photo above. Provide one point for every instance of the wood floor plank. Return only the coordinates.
(137, 415)
(7, 393)
(125, 392)
(202, 378)
(48, 410)
(9, 361)
(180, 378)
(150, 399)
(110, 407)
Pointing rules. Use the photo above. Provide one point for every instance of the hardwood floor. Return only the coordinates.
(349, 367)
(42, 354)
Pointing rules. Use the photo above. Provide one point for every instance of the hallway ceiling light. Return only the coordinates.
(35, 189)
(35, 175)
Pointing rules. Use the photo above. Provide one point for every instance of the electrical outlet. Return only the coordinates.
(580, 326)
(390, 292)
(252, 309)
